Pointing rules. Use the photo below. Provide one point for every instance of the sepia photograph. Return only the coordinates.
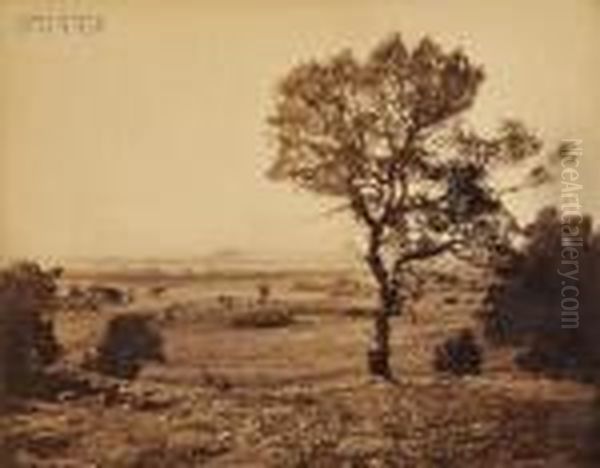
(299, 234)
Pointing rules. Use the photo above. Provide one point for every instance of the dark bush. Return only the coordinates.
(459, 355)
(523, 305)
(263, 317)
(27, 340)
(129, 340)
(110, 295)
(590, 456)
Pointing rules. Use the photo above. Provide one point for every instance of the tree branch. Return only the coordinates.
(424, 253)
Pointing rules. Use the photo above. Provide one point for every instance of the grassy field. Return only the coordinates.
(293, 391)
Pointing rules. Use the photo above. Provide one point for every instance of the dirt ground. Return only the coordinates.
(295, 395)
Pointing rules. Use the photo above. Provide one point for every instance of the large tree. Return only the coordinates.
(385, 135)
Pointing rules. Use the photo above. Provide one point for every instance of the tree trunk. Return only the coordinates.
(378, 355)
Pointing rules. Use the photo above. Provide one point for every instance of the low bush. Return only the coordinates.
(129, 341)
(270, 317)
(459, 355)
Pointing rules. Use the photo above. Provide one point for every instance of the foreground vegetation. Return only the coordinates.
(285, 388)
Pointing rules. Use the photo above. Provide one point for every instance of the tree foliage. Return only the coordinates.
(384, 134)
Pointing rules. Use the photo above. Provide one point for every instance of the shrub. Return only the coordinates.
(262, 318)
(523, 305)
(110, 295)
(459, 355)
(27, 340)
(128, 341)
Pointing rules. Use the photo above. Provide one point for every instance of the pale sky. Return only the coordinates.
(149, 138)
